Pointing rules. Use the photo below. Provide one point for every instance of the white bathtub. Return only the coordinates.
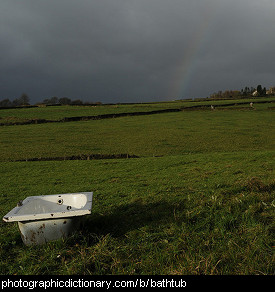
(46, 218)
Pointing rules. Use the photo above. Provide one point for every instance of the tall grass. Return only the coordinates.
(192, 214)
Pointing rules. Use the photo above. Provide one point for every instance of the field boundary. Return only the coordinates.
(86, 118)
(80, 157)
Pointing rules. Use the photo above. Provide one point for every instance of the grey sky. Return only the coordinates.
(134, 50)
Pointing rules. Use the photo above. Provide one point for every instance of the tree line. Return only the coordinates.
(24, 100)
(243, 93)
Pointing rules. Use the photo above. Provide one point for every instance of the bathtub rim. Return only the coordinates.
(12, 215)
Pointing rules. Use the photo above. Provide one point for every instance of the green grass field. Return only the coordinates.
(59, 112)
(199, 199)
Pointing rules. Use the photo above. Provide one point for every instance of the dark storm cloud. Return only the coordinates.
(134, 50)
(238, 52)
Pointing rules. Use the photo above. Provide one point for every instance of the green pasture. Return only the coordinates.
(198, 131)
(199, 199)
(59, 112)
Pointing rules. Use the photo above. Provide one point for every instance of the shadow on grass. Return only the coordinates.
(117, 222)
(130, 217)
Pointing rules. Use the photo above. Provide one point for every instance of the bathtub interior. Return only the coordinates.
(57, 203)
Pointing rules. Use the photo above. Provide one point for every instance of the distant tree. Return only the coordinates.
(16, 102)
(24, 99)
(77, 101)
(65, 100)
(52, 100)
(259, 90)
(246, 91)
(46, 101)
(5, 103)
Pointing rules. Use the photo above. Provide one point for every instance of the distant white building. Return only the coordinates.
(255, 93)
(271, 90)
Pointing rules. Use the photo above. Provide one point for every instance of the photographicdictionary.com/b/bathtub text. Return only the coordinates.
(113, 282)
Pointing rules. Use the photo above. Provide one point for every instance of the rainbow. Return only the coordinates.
(188, 64)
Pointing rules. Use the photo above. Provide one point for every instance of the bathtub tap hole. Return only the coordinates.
(60, 202)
